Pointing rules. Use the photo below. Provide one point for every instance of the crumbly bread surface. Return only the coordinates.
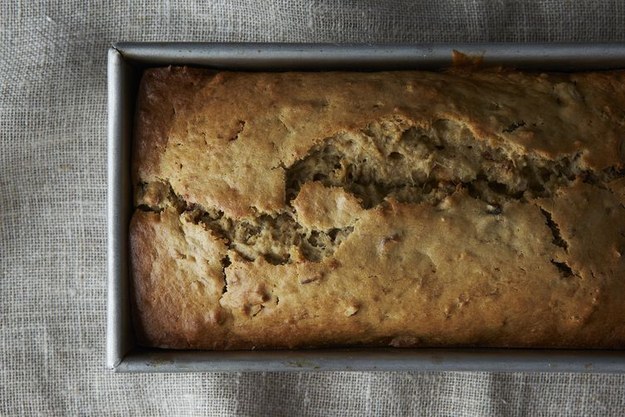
(285, 210)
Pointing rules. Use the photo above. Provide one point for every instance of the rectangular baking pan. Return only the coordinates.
(125, 63)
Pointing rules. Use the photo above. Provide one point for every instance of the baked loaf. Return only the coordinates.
(283, 210)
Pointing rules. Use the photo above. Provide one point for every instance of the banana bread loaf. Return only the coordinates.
(462, 208)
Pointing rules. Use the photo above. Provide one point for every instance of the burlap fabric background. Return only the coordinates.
(52, 209)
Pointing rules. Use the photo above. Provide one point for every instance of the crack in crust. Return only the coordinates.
(280, 239)
(387, 159)
(558, 240)
(414, 165)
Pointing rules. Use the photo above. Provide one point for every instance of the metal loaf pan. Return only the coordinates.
(125, 63)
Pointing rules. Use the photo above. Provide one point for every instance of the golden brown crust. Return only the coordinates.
(159, 100)
(325, 208)
(178, 280)
(394, 208)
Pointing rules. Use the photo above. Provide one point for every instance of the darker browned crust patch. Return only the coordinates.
(158, 102)
(141, 259)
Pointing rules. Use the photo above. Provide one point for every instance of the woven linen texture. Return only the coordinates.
(53, 226)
